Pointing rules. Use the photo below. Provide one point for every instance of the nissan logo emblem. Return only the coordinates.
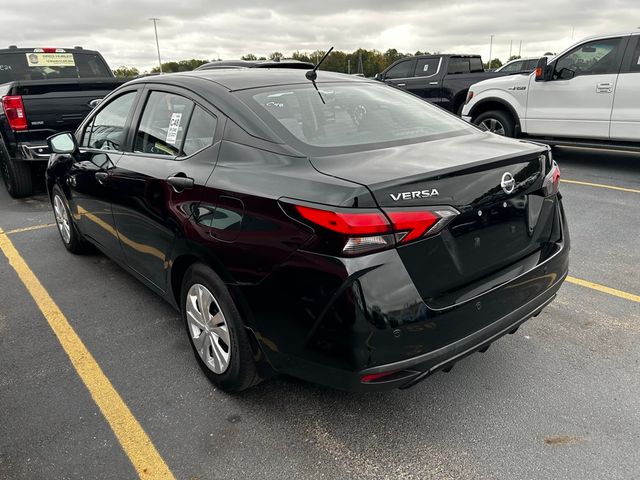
(508, 183)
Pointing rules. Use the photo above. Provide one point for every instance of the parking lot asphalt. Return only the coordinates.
(558, 399)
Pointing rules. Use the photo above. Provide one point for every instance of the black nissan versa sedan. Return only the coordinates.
(337, 230)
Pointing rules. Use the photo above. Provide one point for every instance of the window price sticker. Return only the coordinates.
(174, 126)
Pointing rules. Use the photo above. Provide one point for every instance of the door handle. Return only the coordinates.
(401, 84)
(604, 87)
(433, 83)
(101, 177)
(180, 182)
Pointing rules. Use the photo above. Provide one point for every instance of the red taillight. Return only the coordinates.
(14, 110)
(347, 223)
(412, 224)
(365, 231)
(372, 377)
(552, 180)
(470, 95)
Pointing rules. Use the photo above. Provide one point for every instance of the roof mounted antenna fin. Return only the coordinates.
(312, 75)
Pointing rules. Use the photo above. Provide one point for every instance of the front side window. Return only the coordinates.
(513, 67)
(400, 70)
(593, 58)
(163, 123)
(346, 115)
(106, 130)
(427, 67)
(635, 59)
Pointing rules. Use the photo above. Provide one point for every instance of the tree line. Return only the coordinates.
(363, 61)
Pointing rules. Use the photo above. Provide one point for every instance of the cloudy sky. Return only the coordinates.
(120, 29)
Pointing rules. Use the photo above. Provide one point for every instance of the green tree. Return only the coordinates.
(514, 57)
(493, 64)
(181, 66)
(125, 72)
(249, 56)
(274, 55)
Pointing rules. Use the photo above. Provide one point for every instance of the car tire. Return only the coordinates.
(498, 122)
(216, 330)
(71, 238)
(17, 175)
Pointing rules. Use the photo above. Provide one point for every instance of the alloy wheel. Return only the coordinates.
(208, 328)
(62, 219)
(492, 125)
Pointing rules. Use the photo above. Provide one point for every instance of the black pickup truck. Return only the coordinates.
(440, 79)
(44, 91)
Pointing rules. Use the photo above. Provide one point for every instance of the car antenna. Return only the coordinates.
(312, 75)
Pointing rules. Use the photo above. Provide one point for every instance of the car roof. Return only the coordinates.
(40, 50)
(280, 63)
(246, 78)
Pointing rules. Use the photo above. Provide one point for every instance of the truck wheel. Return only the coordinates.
(498, 122)
(16, 176)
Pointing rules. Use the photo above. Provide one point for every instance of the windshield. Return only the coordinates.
(46, 66)
(343, 115)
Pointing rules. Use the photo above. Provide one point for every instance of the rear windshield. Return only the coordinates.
(348, 115)
(46, 66)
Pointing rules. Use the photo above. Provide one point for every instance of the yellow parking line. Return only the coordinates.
(28, 229)
(604, 289)
(134, 441)
(601, 185)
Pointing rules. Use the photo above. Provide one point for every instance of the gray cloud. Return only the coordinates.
(203, 29)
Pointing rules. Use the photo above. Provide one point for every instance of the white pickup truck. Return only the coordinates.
(587, 95)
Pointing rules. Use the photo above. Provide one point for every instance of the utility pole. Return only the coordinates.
(349, 66)
(155, 28)
(490, 51)
(520, 49)
(510, 47)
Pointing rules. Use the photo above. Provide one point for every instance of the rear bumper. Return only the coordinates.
(374, 321)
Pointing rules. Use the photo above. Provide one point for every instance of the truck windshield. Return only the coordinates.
(344, 115)
(34, 65)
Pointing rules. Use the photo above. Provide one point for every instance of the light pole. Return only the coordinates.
(490, 51)
(155, 28)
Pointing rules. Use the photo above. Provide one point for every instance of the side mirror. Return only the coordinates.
(378, 76)
(541, 70)
(62, 143)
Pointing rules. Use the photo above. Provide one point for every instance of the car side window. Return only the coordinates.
(593, 58)
(200, 134)
(427, 67)
(106, 130)
(635, 60)
(513, 67)
(400, 70)
(459, 65)
(164, 121)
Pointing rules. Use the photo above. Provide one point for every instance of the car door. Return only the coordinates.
(577, 100)
(400, 73)
(171, 157)
(101, 143)
(426, 79)
(625, 116)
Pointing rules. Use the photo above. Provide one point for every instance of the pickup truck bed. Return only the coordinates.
(32, 110)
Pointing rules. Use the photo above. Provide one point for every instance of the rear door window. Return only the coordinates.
(427, 67)
(163, 124)
(200, 134)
